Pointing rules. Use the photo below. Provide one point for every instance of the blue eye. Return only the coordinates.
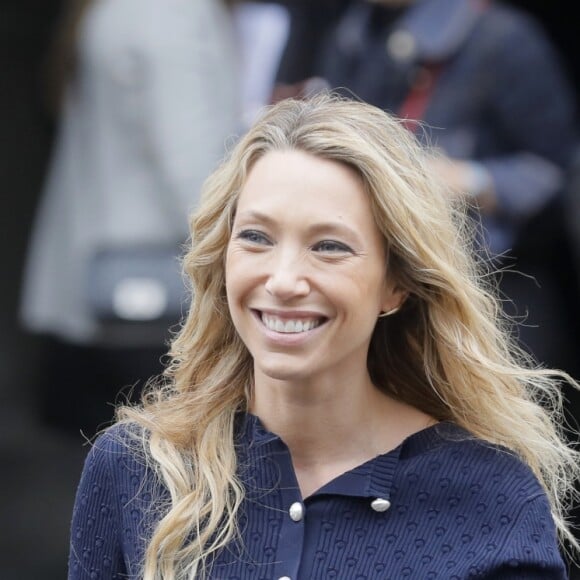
(331, 246)
(253, 236)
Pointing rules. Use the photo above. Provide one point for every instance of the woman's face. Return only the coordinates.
(305, 268)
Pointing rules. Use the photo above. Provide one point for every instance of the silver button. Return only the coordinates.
(401, 45)
(284, 578)
(296, 511)
(380, 504)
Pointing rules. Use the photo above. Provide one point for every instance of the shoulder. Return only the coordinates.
(117, 453)
(480, 505)
(460, 467)
(515, 26)
(113, 510)
(203, 16)
(119, 439)
(511, 17)
(118, 476)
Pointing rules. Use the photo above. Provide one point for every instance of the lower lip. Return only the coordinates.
(287, 338)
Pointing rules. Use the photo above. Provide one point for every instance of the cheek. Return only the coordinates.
(368, 283)
(233, 298)
(239, 282)
(232, 268)
(230, 280)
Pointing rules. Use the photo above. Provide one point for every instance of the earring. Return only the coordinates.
(389, 312)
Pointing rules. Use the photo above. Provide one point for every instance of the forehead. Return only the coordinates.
(295, 181)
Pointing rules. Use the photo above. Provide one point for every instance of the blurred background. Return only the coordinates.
(50, 400)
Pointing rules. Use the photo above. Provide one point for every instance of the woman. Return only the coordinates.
(342, 400)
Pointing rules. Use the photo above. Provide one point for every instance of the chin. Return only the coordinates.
(281, 373)
(281, 370)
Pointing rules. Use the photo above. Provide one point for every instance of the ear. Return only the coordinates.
(393, 298)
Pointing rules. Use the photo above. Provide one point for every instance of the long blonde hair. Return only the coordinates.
(448, 352)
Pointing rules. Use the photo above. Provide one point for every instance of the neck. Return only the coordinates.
(330, 429)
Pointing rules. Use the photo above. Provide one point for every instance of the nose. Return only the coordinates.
(287, 278)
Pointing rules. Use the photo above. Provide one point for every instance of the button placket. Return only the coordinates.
(291, 536)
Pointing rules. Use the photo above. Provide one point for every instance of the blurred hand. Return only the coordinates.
(466, 178)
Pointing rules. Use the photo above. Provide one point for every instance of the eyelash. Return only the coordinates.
(258, 238)
(252, 236)
(336, 247)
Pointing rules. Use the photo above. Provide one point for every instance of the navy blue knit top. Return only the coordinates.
(442, 505)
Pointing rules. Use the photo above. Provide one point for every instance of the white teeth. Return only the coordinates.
(289, 326)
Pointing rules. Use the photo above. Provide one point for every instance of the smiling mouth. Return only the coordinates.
(289, 325)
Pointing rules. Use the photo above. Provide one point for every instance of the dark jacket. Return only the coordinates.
(496, 91)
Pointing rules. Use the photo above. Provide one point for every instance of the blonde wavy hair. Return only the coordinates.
(448, 352)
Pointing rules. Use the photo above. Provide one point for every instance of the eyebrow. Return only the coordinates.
(320, 227)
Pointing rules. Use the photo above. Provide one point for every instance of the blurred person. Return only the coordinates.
(343, 398)
(146, 95)
(481, 81)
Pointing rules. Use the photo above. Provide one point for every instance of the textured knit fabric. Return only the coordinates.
(459, 508)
